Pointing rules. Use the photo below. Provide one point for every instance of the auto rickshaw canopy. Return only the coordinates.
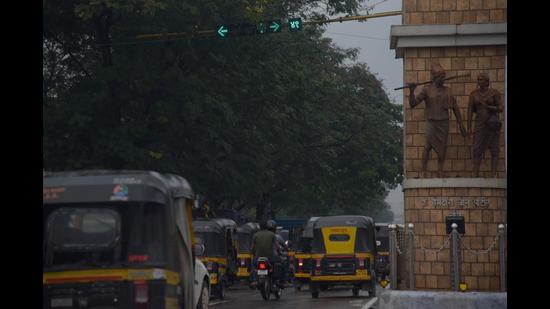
(113, 186)
(364, 235)
(216, 234)
(244, 236)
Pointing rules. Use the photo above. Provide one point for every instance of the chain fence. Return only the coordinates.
(401, 246)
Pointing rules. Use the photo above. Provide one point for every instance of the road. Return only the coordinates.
(241, 297)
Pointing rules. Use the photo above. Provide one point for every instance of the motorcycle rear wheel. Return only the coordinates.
(265, 290)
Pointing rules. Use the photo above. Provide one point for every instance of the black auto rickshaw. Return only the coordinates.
(117, 239)
(220, 256)
(343, 252)
(244, 243)
(382, 251)
(302, 257)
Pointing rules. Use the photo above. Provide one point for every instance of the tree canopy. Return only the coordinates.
(285, 123)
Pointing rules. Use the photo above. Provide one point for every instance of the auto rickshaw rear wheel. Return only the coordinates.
(221, 290)
(315, 294)
(355, 291)
(372, 288)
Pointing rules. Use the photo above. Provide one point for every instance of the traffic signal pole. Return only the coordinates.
(311, 22)
(351, 18)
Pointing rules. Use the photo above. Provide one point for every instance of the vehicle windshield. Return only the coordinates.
(111, 234)
(304, 245)
(364, 241)
(74, 229)
(384, 238)
(244, 241)
(213, 243)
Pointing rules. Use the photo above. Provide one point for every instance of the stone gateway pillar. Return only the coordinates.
(464, 37)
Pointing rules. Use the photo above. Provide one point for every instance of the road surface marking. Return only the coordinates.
(370, 303)
(218, 302)
(356, 303)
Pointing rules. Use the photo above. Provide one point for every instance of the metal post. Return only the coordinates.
(455, 280)
(393, 257)
(501, 258)
(411, 256)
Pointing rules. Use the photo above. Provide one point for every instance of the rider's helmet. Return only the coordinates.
(271, 225)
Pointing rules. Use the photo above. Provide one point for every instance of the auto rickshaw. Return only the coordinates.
(220, 256)
(302, 257)
(382, 251)
(343, 252)
(117, 239)
(244, 243)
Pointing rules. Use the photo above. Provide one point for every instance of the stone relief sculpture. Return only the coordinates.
(438, 100)
(486, 103)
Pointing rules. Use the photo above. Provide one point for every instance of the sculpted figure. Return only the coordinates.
(486, 103)
(438, 102)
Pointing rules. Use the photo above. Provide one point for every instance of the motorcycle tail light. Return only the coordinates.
(261, 266)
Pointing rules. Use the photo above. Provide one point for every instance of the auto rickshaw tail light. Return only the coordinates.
(300, 263)
(361, 263)
(318, 263)
(141, 293)
(209, 265)
(138, 258)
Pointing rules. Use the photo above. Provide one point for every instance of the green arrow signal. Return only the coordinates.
(222, 31)
(274, 26)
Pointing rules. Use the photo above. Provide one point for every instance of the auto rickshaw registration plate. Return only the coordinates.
(61, 302)
(262, 272)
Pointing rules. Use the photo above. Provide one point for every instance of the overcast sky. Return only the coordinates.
(372, 38)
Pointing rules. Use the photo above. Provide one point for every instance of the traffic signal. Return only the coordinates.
(295, 24)
(274, 26)
(264, 27)
(223, 31)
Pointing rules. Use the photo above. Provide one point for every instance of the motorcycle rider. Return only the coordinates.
(264, 244)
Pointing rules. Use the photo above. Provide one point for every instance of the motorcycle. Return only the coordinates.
(266, 279)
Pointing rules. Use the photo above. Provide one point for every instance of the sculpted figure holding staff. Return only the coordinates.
(438, 101)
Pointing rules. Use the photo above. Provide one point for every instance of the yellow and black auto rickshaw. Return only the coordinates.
(343, 252)
(117, 239)
(302, 257)
(244, 243)
(220, 256)
(382, 252)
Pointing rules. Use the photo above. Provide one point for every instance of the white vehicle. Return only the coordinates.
(202, 285)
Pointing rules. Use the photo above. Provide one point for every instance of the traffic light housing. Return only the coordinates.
(295, 24)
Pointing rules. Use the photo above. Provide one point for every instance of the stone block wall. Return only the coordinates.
(421, 12)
